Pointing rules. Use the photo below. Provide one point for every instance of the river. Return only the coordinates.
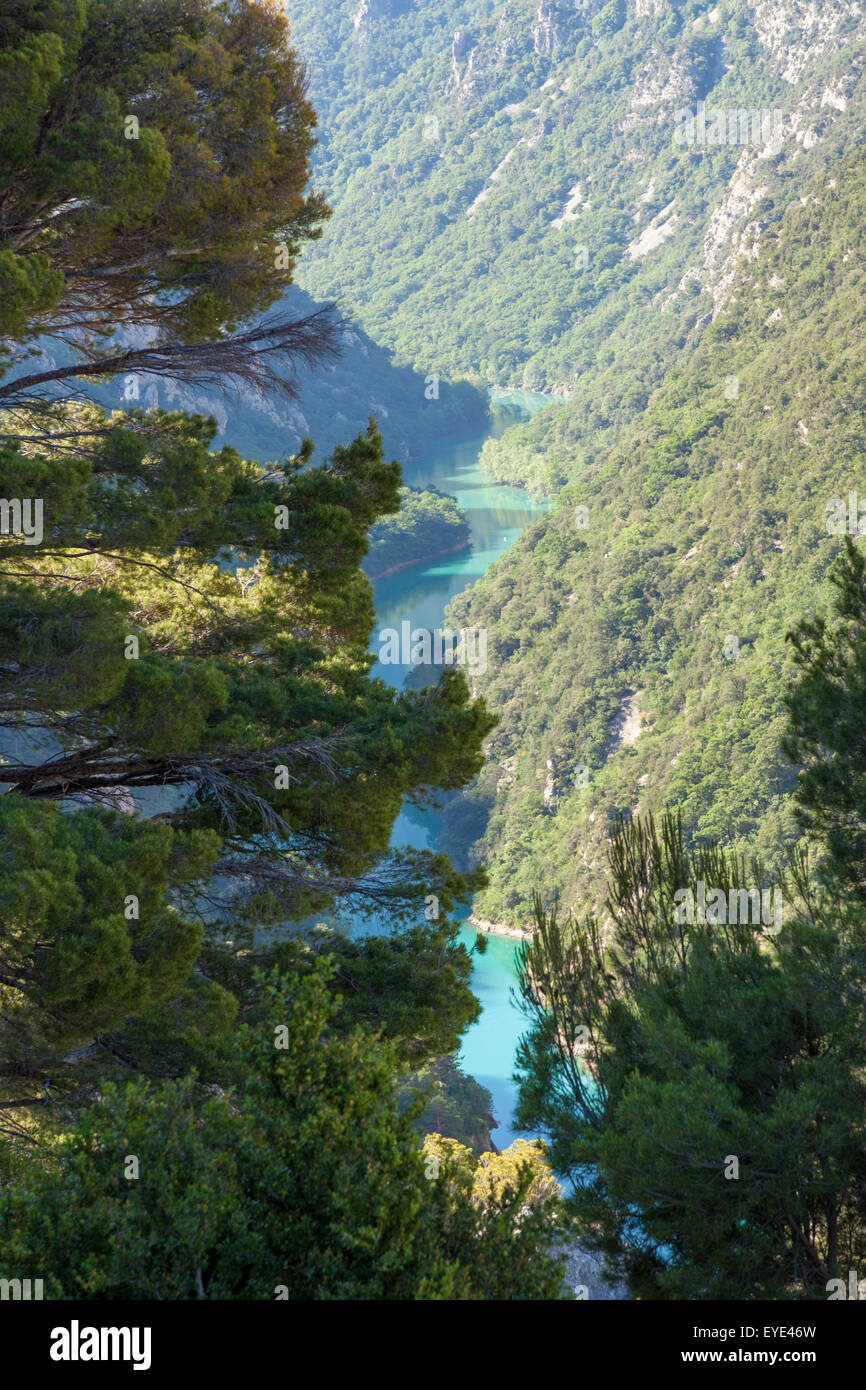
(496, 514)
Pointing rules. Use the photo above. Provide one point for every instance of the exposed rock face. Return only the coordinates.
(548, 61)
(584, 1277)
(548, 796)
(334, 401)
(369, 11)
(555, 23)
(627, 725)
(664, 83)
(796, 33)
(463, 54)
(661, 227)
(733, 232)
(500, 929)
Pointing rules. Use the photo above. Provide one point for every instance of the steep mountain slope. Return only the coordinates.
(636, 636)
(334, 402)
(515, 198)
(607, 199)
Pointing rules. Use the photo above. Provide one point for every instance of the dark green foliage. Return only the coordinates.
(825, 708)
(700, 1070)
(412, 987)
(192, 750)
(456, 1106)
(88, 936)
(306, 1184)
(702, 1082)
(252, 658)
(428, 524)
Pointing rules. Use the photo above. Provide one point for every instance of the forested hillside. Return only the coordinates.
(511, 202)
(249, 1047)
(536, 165)
(638, 632)
(428, 524)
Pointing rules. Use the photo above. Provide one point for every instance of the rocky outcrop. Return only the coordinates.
(585, 1276)
(797, 33)
(560, 110)
(500, 929)
(558, 22)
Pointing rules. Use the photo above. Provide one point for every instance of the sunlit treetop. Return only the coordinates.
(154, 157)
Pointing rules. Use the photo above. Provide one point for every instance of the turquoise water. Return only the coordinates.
(497, 515)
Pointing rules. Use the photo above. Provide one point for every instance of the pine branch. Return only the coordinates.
(256, 357)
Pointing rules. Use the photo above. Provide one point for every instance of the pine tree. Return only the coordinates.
(825, 706)
(702, 1080)
(187, 716)
(154, 157)
(306, 1184)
